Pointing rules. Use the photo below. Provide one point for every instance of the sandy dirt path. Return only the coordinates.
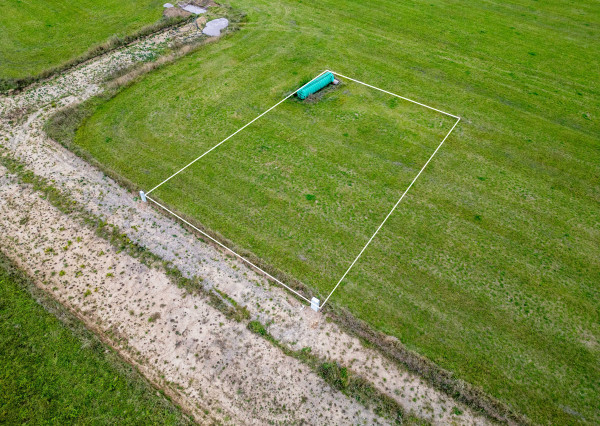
(214, 366)
(246, 378)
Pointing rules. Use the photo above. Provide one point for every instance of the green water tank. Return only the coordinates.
(315, 85)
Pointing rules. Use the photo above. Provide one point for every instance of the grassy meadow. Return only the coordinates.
(57, 372)
(302, 177)
(39, 35)
(490, 266)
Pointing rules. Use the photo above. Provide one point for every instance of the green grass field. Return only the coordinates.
(38, 35)
(54, 372)
(302, 178)
(490, 266)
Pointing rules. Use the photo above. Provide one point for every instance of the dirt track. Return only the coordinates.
(208, 361)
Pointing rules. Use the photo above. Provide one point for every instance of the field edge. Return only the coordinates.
(15, 85)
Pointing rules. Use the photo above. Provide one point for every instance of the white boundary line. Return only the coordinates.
(393, 94)
(409, 186)
(232, 135)
(259, 116)
(227, 248)
(389, 214)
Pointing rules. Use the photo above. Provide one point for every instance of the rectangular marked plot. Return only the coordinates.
(305, 186)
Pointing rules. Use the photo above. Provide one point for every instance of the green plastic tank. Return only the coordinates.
(315, 85)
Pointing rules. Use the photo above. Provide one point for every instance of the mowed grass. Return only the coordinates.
(38, 35)
(309, 179)
(490, 266)
(58, 373)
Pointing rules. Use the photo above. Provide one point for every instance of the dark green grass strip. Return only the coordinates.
(56, 372)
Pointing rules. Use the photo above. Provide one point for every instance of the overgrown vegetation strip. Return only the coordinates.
(442, 379)
(342, 379)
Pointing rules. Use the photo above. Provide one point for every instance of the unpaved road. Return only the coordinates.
(213, 366)
(209, 363)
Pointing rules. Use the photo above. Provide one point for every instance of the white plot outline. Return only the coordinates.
(259, 116)
(227, 248)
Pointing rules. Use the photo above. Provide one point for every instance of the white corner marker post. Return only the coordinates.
(314, 304)
(143, 196)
